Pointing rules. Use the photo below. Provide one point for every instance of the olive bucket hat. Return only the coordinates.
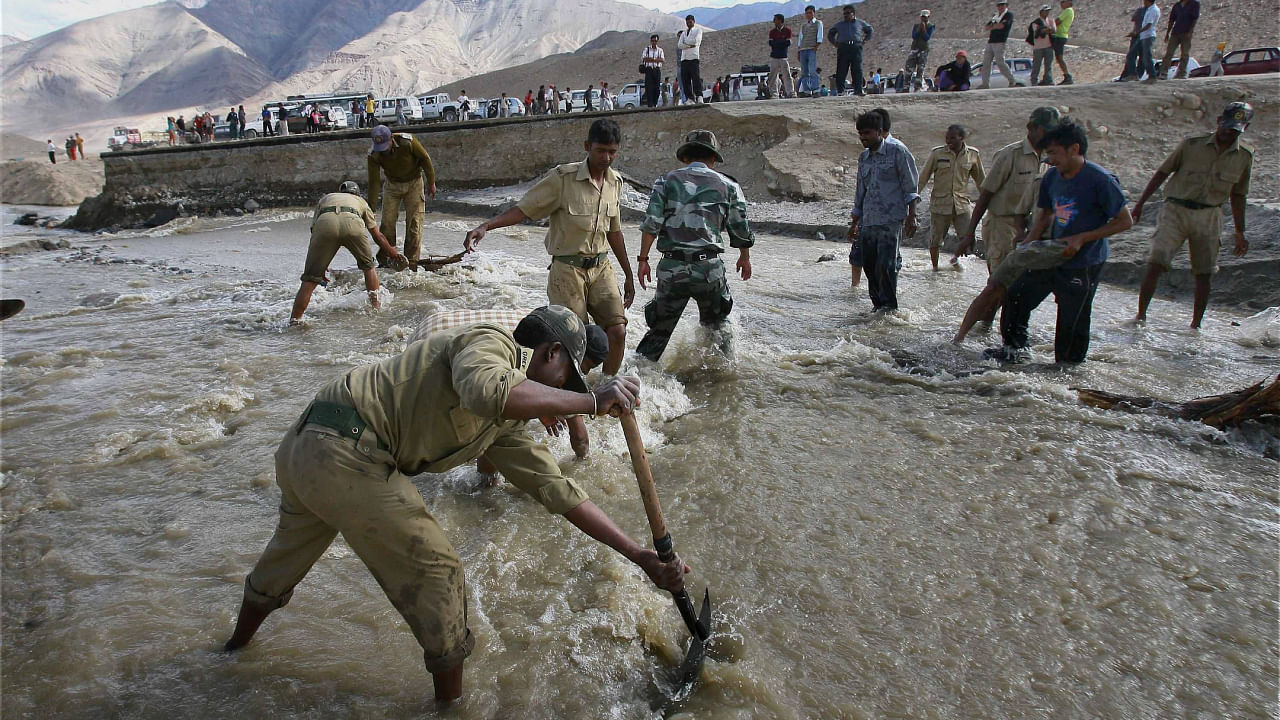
(702, 139)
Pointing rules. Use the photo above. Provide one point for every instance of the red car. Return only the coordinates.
(1245, 62)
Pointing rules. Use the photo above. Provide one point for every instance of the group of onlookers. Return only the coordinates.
(1139, 61)
(74, 146)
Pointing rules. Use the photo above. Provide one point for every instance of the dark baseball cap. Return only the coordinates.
(562, 325)
(1046, 116)
(1236, 116)
(381, 138)
(597, 344)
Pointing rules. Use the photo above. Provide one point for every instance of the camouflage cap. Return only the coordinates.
(1236, 116)
(562, 325)
(1046, 116)
(701, 139)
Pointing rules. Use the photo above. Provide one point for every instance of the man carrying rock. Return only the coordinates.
(886, 197)
(344, 467)
(951, 166)
(405, 162)
(1206, 171)
(341, 220)
(583, 201)
(1006, 193)
(918, 57)
(688, 207)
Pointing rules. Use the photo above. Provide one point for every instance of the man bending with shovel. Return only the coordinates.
(344, 467)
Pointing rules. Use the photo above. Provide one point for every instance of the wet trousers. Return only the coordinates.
(881, 260)
(678, 281)
(412, 196)
(1073, 288)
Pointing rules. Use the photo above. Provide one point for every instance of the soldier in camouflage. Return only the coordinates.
(689, 210)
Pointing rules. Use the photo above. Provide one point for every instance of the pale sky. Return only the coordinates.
(31, 18)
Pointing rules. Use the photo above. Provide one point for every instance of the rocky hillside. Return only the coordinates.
(168, 58)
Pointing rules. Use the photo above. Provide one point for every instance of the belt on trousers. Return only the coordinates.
(586, 262)
(1189, 204)
(343, 418)
(690, 255)
(337, 209)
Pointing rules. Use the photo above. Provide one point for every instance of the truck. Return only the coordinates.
(123, 138)
(439, 107)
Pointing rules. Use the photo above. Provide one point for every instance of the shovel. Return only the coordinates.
(699, 624)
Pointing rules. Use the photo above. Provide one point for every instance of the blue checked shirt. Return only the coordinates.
(887, 181)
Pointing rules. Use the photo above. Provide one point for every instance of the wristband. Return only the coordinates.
(643, 258)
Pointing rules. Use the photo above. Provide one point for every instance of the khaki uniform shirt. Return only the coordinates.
(581, 215)
(439, 405)
(355, 202)
(1014, 168)
(951, 173)
(403, 162)
(1202, 175)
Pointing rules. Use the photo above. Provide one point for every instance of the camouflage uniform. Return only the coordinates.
(689, 209)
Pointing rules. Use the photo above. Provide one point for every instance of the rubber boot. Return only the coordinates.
(250, 618)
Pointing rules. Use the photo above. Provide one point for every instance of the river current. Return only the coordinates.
(889, 526)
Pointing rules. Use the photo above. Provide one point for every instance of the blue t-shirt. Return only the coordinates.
(1085, 202)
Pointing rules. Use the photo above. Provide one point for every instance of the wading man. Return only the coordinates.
(951, 166)
(886, 197)
(1085, 205)
(341, 220)
(344, 467)
(405, 162)
(690, 210)
(1207, 170)
(583, 201)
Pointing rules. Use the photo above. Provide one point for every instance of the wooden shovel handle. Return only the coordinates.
(644, 477)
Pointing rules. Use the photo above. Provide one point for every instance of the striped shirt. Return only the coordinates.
(441, 320)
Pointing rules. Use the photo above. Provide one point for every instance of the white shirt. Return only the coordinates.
(652, 57)
(691, 43)
(1152, 19)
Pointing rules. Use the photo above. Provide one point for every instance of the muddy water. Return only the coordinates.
(880, 542)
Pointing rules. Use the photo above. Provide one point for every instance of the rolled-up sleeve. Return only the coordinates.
(543, 198)
(908, 176)
(529, 466)
(483, 372)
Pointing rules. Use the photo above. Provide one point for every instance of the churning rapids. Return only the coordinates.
(881, 540)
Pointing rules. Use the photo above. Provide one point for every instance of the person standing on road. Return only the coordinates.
(886, 197)
(688, 209)
(1146, 41)
(80, 146)
(997, 36)
(1042, 47)
(1006, 193)
(951, 166)
(779, 50)
(370, 112)
(651, 60)
(583, 201)
(344, 467)
(848, 36)
(918, 57)
(357, 112)
(1183, 17)
(1132, 56)
(464, 106)
(53, 151)
(405, 163)
(241, 117)
(70, 146)
(1084, 204)
(690, 44)
(810, 39)
(1207, 170)
(341, 220)
(282, 121)
(267, 129)
(1059, 37)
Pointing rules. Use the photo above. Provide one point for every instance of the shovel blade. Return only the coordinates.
(691, 667)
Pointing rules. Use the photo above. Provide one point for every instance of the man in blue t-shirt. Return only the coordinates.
(1084, 204)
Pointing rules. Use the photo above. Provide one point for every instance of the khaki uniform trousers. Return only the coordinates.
(332, 484)
(412, 195)
(1201, 229)
(591, 290)
(998, 234)
(939, 223)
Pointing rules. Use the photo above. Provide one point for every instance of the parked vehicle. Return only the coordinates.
(580, 100)
(752, 84)
(439, 106)
(631, 95)
(123, 138)
(385, 109)
(1246, 62)
(515, 108)
(1021, 68)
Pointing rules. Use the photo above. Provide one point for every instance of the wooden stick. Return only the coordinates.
(644, 476)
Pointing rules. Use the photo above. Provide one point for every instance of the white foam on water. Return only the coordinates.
(1260, 330)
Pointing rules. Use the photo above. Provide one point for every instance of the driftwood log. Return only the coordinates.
(431, 263)
(1221, 411)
